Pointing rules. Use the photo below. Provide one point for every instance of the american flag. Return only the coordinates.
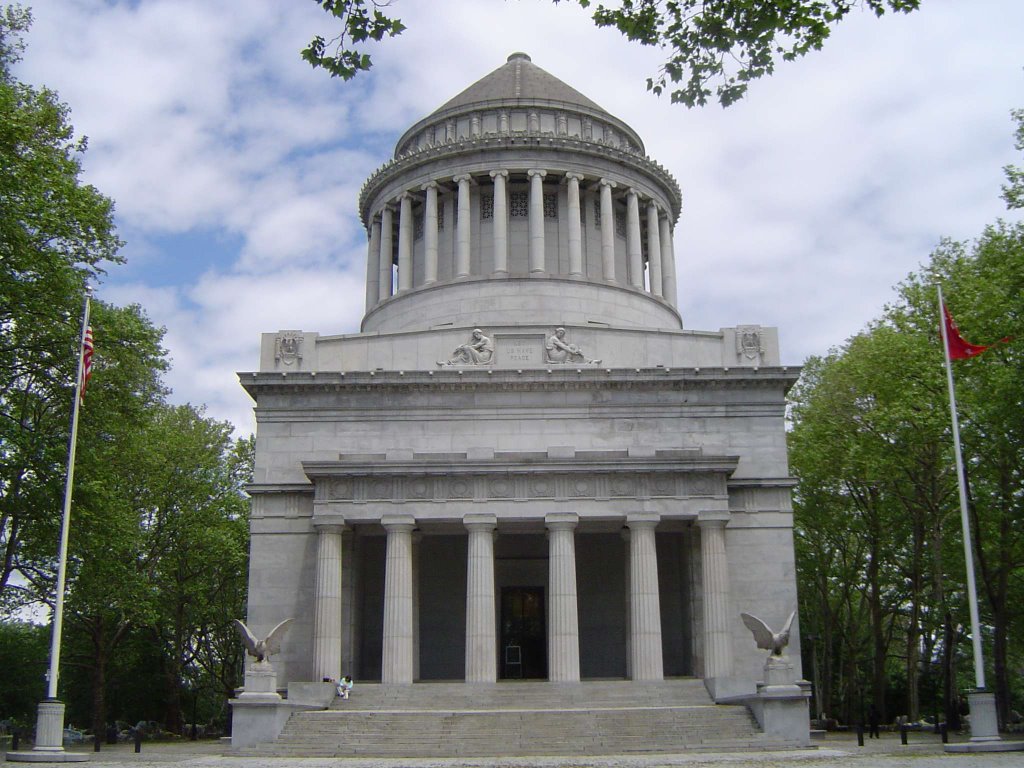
(86, 363)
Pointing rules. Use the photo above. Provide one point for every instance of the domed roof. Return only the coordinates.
(517, 84)
(519, 79)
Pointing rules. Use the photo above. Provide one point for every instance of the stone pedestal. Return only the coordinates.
(781, 706)
(260, 683)
(49, 747)
(984, 727)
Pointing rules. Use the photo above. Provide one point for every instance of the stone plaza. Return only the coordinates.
(524, 467)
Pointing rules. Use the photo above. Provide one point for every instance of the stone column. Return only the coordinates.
(715, 572)
(481, 632)
(536, 225)
(405, 242)
(430, 234)
(386, 249)
(373, 265)
(500, 214)
(654, 248)
(563, 615)
(668, 263)
(636, 260)
(327, 603)
(462, 228)
(607, 231)
(644, 601)
(575, 231)
(397, 667)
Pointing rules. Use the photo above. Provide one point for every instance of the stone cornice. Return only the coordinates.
(556, 378)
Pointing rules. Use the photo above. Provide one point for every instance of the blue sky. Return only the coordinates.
(235, 167)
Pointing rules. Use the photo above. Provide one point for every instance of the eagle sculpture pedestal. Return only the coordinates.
(781, 705)
(259, 713)
(260, 682)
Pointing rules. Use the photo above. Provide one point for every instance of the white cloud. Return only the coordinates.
(803, 204)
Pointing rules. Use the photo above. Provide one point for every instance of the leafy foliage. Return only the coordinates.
(1013, 190)
(731, 42)
(55, 234)
(358, 24)
(719, 44)
(879, 549)
(157, 557)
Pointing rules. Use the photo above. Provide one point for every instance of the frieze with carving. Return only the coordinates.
(596, 485)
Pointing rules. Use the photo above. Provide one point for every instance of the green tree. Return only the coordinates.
(55, 235)
(871, 446)
(710, 44)
(1013, 190)
(23, 654)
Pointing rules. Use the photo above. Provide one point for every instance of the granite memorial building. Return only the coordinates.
(523, 465)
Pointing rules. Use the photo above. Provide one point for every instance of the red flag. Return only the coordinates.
(86, 363)
(958, 347)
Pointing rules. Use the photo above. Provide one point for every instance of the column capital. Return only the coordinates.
(406, 195)
(536, 172)
(577, 176)
(398, 522)
(713, 519)
(642, 519)
(461, 178)
(500, 172)
(332, 524)
(561, 521)
(632, 192)
(480, 522)
(428, 185)
(607, 183)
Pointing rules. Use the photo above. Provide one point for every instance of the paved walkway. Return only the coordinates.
(834, 751)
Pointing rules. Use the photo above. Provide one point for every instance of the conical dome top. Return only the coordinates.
(521, 86)
(519, 79)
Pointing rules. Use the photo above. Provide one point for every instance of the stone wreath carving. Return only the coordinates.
(558, 350)
(479, 350)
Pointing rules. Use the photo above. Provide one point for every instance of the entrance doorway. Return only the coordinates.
(523, 633)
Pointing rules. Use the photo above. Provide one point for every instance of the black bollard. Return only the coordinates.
(96, 743)
(903, 735)
(860, 734)
(945, 733)
(138, 741)
(15, 738)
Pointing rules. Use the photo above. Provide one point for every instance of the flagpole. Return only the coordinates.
(49, 741)
(972, 591)
(65, 525)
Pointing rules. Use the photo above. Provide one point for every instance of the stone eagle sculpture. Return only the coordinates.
(261, 650)
(774, 642)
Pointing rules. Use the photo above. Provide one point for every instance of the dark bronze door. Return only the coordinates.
(524, 649)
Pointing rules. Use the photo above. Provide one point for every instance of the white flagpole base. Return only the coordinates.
(49, 746)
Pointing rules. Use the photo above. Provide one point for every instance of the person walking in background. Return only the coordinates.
(874, 720)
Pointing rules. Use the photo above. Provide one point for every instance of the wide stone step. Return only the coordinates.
(534, 718)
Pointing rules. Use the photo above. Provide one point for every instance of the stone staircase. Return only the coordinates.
(518, 718)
